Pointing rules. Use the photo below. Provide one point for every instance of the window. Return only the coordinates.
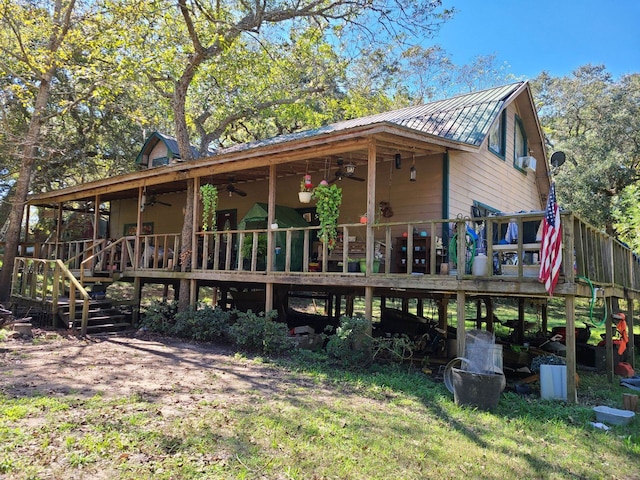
(520, 149)
(497, 136)
(160, 161)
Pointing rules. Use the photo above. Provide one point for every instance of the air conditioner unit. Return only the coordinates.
(527, 163)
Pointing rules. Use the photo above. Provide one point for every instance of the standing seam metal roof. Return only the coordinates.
(465, 119)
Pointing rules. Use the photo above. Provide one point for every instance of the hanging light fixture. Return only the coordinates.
(398, 160)
(412, 171)
(350, 168)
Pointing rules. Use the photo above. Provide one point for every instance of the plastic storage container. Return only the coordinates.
(613, 416)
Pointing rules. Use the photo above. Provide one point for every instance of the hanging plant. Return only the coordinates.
(209, 195)
(329, 200)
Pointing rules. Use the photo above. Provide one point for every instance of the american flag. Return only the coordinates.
(551, 251)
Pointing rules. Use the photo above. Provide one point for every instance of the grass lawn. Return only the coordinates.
(298, 417)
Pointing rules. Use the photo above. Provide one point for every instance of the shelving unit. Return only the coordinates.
(414, 251)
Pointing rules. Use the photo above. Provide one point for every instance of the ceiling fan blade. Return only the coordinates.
(163, 203)
(357, 179)
(242, 193)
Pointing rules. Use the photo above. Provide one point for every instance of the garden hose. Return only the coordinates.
(453, 250)
(592, 303)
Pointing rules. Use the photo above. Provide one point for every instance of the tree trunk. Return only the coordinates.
(22, 186)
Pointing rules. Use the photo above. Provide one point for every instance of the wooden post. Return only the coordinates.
(371, 207)
(271, 217)
(631, 345)
(368, 305)
(520, 316)
(608, 341)
(460, 301)
(572, 393)
(137, 292)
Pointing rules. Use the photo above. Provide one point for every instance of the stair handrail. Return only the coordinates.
(75, 285)
(110, 246)
(93, 246)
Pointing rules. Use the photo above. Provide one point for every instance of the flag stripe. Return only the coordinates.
(551, 251)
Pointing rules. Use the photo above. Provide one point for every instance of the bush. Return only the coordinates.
(260, 333)
(202, 324)
(160, 316)
(351, 345)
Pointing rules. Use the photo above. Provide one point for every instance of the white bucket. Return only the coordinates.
(480, 265)
(553, 382)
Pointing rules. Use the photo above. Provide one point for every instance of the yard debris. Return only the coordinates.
(601, 426)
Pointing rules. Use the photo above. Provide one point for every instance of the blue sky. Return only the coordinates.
(553, 35)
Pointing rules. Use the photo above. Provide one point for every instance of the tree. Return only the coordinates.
(33, 63)
(215, 40)
(595, 120)
(60, 90)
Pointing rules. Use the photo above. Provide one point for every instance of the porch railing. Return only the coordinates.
(49, 281)
(511, 243)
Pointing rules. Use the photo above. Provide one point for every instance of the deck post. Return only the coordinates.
(572, 393)
(137, 292)
(368, 306)
(460, 333)
(631, 349)
(371, 207)
(608, 341)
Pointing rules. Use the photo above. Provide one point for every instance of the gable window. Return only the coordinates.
(160, 161)
(497, 136)
(520, 149)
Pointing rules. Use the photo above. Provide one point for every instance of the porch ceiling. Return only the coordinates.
(242, 167)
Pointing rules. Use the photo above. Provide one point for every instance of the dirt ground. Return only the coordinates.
(159, 369)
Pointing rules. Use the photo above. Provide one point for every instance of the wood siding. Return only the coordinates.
(486, 178)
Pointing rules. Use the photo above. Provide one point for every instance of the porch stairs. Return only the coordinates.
(105, 316)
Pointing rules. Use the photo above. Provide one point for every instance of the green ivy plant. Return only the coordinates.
(328, 201)
(209, 195)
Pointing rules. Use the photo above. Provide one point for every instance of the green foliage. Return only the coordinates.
(260, 333)
(595, 120)
(160, 316)
(247, 245)
(209, 195)
(206, 323)
(328, 201)
(351, 345)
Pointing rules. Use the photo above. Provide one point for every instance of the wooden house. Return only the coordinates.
(474, 163)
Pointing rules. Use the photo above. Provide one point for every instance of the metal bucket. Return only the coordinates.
(481, 390)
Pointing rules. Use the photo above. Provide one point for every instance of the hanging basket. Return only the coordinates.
(304, 197)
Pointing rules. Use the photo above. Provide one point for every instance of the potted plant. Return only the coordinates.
(209, 195)
(306, 189)
(329, 200)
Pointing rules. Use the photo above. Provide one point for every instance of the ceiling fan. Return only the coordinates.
(347, 172)
(231, 188)
(151, 200)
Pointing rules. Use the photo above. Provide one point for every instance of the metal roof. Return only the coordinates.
(464, 118)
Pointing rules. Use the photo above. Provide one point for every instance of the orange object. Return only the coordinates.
(621, 326)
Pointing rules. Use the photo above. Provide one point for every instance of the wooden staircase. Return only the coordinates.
(104, 316)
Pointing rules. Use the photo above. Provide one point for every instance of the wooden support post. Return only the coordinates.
(368, 305)
(420, 307)
(460, 301)
(137, 292)
(193, 288)
(631, 345)
(572, 392)
(545, 317)
(520, 320)
(479, 313)
(608, 342)
(488, 301)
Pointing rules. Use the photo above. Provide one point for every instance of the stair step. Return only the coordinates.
(108, 326)
(94, 279)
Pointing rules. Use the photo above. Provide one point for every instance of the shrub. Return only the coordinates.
(206, 323)
(160, 316)
(260, 333)
(351, 345)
